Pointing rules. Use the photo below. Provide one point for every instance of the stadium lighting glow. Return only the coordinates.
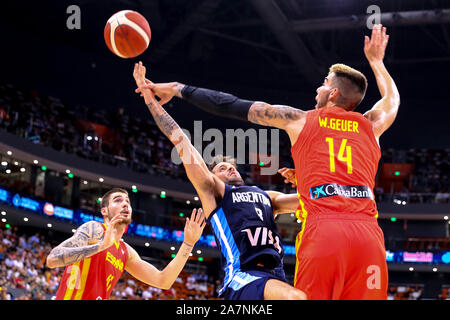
(445, 217)
(3, 220)
(101, 179)
(4, 163)
(25, 219)
(435, 269)
(49, 225)
(8, 171)
(199, 251)
(22, 169)
(73, 230)
(16, 163)
(89, 138)
(147, 244)
(172, 248)
(35, 161)
(9, 153)
(411, 269)
(3, 213)
(85, 182)
(196, 198)
(188, 202)
(163, 194)
(67, 171)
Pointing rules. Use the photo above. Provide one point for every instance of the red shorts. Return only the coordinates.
(341, 256)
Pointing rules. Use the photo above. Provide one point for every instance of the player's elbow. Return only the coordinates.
(50, 262)
(165, 285)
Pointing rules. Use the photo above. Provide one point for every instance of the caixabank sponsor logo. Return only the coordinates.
(334, 189)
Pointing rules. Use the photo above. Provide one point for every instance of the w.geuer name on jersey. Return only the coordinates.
(252, 197)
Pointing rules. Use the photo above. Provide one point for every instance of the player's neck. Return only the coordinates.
(332, 104)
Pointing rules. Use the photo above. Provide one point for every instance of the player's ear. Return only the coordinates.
(334, 94)
(104, 212)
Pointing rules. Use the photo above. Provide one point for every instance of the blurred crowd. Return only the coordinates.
(405, 292)
(124, 141)
(24, 276)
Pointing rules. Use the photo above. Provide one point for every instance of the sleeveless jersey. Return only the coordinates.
(95, 277)
(336, 158)
(245, 229)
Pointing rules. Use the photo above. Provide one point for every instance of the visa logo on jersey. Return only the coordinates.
(262, 236)
(334, 189)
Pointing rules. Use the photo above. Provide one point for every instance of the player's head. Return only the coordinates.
(115, 202)
(224, 168)
(343, 87)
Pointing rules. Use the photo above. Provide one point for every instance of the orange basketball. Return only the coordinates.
(127, 34)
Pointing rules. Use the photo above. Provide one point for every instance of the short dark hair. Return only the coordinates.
(352, 84)
(107, 195)
(221, 158)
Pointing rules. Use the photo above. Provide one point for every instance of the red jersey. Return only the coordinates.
(336, 158)
(94, 278)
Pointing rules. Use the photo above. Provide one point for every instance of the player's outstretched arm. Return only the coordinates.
(384, 112)
(282, 202)
(87, 241)
(224, 104)
(164, 279)
(196, 169)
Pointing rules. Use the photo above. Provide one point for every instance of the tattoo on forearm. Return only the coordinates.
(164, 121)
(186, 252)
(262, 113)
(66, 255)
(179, 88)
(76, 248)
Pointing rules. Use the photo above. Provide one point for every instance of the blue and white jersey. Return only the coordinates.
(245, 230)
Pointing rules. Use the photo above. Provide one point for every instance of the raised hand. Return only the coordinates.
(111, 232)
(139, 76)
(289, 176)
(194, 227)
(375, 47)
(165, 91)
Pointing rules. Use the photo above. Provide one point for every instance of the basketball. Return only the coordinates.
(127, 34)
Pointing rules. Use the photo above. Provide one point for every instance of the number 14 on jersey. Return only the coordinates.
(343, 149)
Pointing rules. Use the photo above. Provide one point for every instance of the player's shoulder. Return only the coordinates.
(92, 229)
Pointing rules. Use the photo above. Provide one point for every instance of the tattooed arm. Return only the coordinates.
(77, 247)
(197, 171)
(149, 274)
(88, 240)
(223, 104)
(287, 118)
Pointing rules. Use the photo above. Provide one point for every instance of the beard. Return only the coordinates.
(235, 181)
(322, 101)
(126, 220)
